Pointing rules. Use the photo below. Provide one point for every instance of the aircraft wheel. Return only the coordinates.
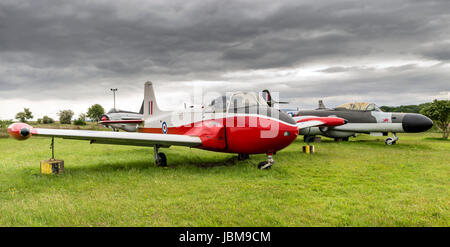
(345, 139)
(162, 161)
(389, 141)
(263, 165)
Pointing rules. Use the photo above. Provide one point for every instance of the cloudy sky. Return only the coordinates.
(57, 55)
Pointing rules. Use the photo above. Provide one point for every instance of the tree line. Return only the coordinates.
(94, 112)
(405, 108)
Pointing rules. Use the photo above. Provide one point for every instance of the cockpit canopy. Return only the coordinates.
(236, 101)
(359, 106)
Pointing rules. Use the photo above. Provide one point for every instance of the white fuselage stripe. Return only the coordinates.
(371, 127)
(155, 122)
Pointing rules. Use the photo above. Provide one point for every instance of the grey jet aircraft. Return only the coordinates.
(366, 118)
(129, 121)
(124, 120)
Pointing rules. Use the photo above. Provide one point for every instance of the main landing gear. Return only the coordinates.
(266, 164)
(391, 140)
(160, 158)
(243, 157)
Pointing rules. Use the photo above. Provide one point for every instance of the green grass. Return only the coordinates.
(358, 183)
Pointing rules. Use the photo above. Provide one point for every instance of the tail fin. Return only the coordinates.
(321, 105)
(150, 106)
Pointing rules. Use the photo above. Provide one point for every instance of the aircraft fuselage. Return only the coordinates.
(370, 122)
(232, 132)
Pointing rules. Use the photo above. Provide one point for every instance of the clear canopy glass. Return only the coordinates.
(359, 106)
(236, 101)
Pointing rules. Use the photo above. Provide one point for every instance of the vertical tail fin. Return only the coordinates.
(150, 106)
(321, 105)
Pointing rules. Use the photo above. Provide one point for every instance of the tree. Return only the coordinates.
(81, 120)
(65, 116)
(28, 114)
(47, 120)
(439, 112)
(21, 117)
(24, 116)
(5, 123)
(95, 112)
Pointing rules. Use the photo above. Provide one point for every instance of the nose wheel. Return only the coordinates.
(266, 164)
(391, 140)
(160, 158)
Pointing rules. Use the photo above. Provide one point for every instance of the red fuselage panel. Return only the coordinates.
(238, 134)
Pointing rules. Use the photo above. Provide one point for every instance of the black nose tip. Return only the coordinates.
(416, 123)
(24, 132)
(345, 121)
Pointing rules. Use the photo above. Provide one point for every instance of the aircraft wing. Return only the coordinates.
(132, 118)
(23, 131)
(124, 121)
(308, 124)
(312, 121)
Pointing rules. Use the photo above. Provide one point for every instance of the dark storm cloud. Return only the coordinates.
(439, 50)
(84, 47)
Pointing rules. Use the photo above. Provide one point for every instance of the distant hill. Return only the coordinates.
(404, 108)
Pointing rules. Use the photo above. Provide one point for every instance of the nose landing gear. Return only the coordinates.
(391, 140)
(266, 164)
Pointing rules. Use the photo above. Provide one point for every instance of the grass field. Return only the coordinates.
(358, 183)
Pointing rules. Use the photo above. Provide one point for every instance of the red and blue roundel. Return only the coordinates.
(164, 128)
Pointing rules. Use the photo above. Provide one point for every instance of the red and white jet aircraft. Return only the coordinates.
(242, 123)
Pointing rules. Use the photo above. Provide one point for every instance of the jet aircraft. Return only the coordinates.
(241, 123)
(364, 117)
(125, 120)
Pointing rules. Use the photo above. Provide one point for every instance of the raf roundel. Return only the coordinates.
(164, 128)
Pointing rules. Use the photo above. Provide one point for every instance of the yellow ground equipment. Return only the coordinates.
(52, 166)
(308, 149)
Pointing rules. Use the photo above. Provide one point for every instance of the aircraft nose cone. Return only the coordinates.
(416, 123)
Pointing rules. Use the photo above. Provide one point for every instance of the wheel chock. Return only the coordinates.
(309, 149)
